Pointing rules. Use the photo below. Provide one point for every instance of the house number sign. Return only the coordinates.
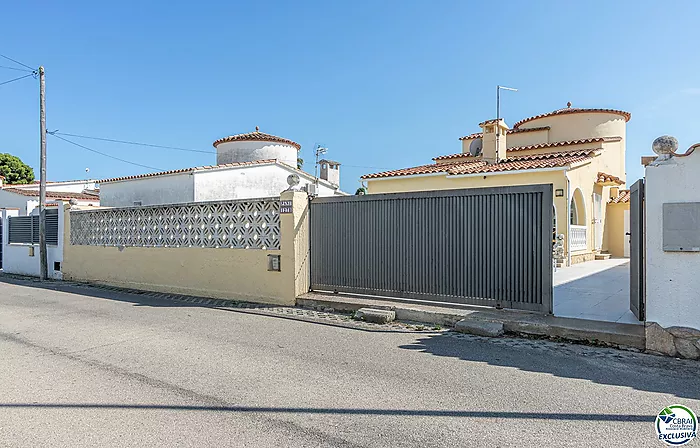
(285, 206)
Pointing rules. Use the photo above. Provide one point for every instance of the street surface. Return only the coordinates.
(90, 367)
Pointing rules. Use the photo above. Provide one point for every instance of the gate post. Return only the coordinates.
(294, 243)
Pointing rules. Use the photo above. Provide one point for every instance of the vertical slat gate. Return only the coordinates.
(637, 251)
(486, 246)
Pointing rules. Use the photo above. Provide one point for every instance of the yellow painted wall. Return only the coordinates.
(221, 273)
(615, 239)
(239, 274)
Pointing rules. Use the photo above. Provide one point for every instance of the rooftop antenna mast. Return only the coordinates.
(498, 109)
(319, 151)
(498, 99)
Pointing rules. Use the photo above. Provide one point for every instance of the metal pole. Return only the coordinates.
(498, 102)
(42, 178)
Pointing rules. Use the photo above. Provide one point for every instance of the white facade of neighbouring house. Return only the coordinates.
(23, 258)
(26, 200)
(249, 166)
(672, 273)
(69, 186)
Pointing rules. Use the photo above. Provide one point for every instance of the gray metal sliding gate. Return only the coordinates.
(485, 246)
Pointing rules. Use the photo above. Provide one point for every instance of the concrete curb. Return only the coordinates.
(487, 321)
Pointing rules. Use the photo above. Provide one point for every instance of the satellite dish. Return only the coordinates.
(476, 146)
(293, 180)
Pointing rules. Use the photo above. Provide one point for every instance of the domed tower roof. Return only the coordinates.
(256, 136)
(574, 110)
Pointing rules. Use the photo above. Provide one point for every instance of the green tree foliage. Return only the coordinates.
(300, 163)
(360, 191)
(14, 170)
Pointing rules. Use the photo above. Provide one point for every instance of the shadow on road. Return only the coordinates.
(345, 411)
(643, 372)
(155, 299)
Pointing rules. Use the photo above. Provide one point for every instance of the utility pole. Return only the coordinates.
(42, 178)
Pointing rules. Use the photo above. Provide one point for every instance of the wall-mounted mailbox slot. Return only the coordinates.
(273, 262)
(681, 227)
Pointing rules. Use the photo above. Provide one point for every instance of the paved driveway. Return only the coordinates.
(596, 290)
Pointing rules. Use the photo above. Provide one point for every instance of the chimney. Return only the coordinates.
(494, 140)
(330, 171)
(614, 192)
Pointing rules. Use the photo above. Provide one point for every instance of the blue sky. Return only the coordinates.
(382, 84)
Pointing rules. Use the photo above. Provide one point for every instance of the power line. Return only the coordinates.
(17, 68)
(16, 79)
(103, 154)
(126, 142)
(17, 62)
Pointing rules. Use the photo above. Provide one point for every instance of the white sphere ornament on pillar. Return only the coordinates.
(665, 146)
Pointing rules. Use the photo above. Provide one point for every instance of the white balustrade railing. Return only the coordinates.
(578, 238)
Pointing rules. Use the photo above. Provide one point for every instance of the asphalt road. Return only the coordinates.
(88, 367)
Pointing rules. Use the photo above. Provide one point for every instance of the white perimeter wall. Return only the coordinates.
(672, 278)
(258, 181)
(170, 189)
(15, 257)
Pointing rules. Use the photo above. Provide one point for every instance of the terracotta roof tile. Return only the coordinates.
(52, 194)
(604, 178)
(540, 145)
(491, 121)
(582, 141)
(256, 136)
(574, 110)
(531, 161)
(622, 197)
(188, 170)
(509, 131)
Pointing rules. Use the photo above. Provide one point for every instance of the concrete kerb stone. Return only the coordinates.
(376, 316)
(480, 327)
(508, 321)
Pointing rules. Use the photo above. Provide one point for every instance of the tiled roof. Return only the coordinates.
(514, 163)
(189, 170)
(575, 110)
(458, 155)
(491, 121)
(53, 194)
(607, 178)
(256, 136)
(583, 141)
(540, 145)
(622, 197)
(509, 131)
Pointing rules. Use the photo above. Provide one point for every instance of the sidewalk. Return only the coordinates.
(474, 318)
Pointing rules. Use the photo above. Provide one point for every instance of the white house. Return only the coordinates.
(25, 198)
(252, 165)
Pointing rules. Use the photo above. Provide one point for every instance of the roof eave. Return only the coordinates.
(499, 173)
